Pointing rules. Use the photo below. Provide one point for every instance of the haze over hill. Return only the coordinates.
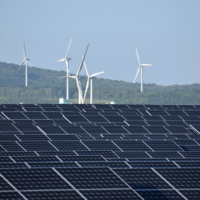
(45, 87)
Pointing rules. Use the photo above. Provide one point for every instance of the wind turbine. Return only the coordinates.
(140, 66)
(66, 59)
(89, 80)
(26, 67)
(78, 83)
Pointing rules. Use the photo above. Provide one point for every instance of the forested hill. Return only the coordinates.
(45, 87)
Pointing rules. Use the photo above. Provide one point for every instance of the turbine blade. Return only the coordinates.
(137, 56)
(61, 60)
(86, 89)
(144, 65)
(20, 66)
(86, 69)
(68, 48)
(136, 74)
(67, 77)
(96, 74)
(82, 62)
(30, 63)
(22, 63)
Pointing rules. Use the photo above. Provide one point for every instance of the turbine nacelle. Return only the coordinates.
(64, 59)
(145, 65)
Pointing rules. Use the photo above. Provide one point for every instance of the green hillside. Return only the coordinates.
(45, 87)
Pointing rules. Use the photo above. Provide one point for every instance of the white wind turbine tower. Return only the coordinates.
(140, 66)
(89, 80)
(78, 83)
(66, 59)
(26, 67)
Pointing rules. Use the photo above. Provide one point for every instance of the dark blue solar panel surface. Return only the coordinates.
(55, 151)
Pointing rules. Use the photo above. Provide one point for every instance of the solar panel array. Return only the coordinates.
(55, 151)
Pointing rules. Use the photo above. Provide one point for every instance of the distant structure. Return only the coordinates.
(62, 100)
(89, 81)
(140, 66)
(67, 59)
(113, 102)
(26, 67)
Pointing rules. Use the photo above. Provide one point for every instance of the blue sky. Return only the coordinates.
(166, 34)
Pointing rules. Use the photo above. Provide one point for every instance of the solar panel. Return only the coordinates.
(191, 113)
(35, 115)
(115, 129)
(56, 194)
(142, 179)
(104, 153)
(15, 115)
(8, 138)
(160, 194)
(136, 123)
(56, 153)
(192, 122)
(51, 109)
(185, 142)
(91, 178)
(51, 129)
(33, 109)
(138, 129)
(43, 122)
(191, 194)
(132, 146)
(94, 129)
(73, 129)
(98, 145)
(175, 123)
(135, 137)
(156, 113)
(11, 195)
(154, 164)
(132, 154)
(156, 123)
(68, 145)
(112, 164)
(53, 115)
(153, 118)
(61, 122)
(170, 118)
(163, 146)
(34, 179)
(32, 137)
(26, 127)
(20, 153)
(114, 118)
(37, 146)
(179, 177)
(11, 146)
(101, 151)
(177, 129)
(35, 158)
(156, 129)
(62, 137)
(123, 194)
(163, 154)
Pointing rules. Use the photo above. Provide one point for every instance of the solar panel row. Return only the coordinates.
(55, 151)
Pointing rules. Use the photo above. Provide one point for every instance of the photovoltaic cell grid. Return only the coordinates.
(54, 151)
